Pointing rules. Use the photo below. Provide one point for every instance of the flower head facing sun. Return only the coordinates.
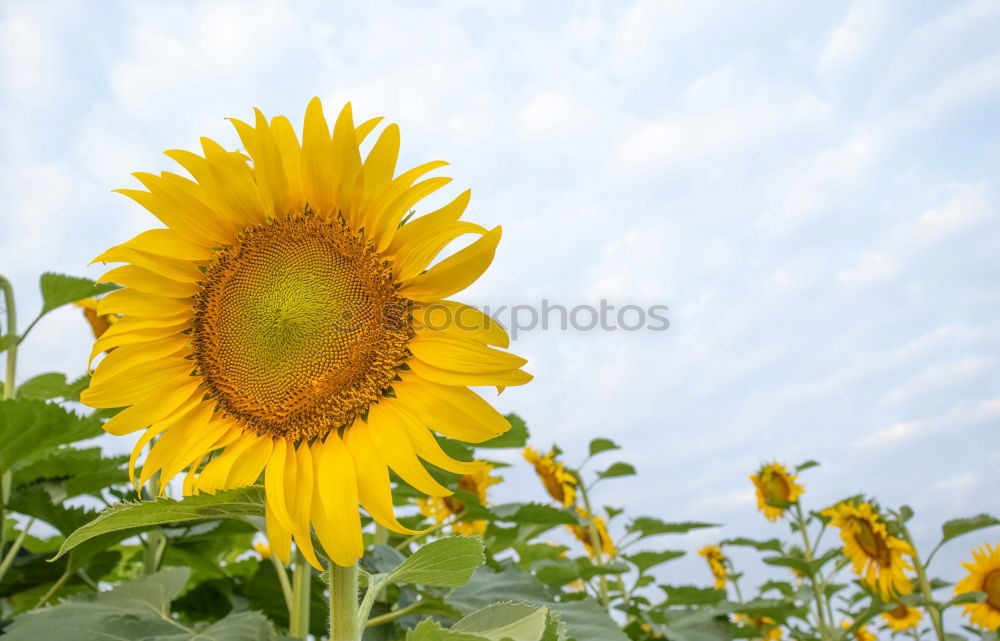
(560, 484)
(276, 326)
(775, 484)
(716, 563)
(442, 508)
(876, 556)
(902, 617)
(984, 576)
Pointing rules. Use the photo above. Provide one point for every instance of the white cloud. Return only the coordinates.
(899, 433)
(939, 377)
(856, 36)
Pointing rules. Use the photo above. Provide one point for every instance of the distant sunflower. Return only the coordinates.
(561, 485)
(442, 508)
(774, 483)
(766, 626)
(902, 617)
(276, 326)
(861, 633)
(876, 555)
(263, 550)
(98, 323)
(582, 534)
(716, 562)
(984, 576)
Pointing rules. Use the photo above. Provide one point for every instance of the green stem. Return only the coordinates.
(298, 625)
(391, 616)
(11, 327)
(55, 586)
(925, 586)
(344, 603)
(286, 586)
(595, 544)
(156, 543)
(14, 547)
(820, 612)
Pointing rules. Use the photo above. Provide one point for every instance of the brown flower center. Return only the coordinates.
(872, 543)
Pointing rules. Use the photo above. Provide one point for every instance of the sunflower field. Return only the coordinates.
(315, 457)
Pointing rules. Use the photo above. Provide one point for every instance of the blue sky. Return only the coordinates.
(811, 188)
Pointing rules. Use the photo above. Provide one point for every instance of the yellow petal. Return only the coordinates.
(393, 445)
(456, 412)
(372, 216)
(448, 351)
(144, 280)
(447, 377)
(336, 518)
(274, 481)
(373, 478)
(300, 499)
(413, 260)
(142, 381)
(291, 160)
(173, 442)
(393, 214)
(278, 535)
(169, 244)
(317, 160)
(268, 166)
(129, 356)
(150, 410)
(427, 448)
(454, 273)
(346, 159)
(366, 128)
(248, 467)
(429, 224)
(109, 340)
(129, 301)
(459, 320)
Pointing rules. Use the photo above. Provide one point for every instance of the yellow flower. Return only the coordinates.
(984, 576)
(716, 562)
(582, 534)
(560, 484)
(861, 634)
(775, 483)
(876, 556)
(765, 625)
(902, 617)
(263, 550)
(442, 508)
(98, 323)
(276, 326)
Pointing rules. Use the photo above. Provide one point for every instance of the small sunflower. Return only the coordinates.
(582, 534)
(276, 326)
(861, 633)
(984, 576)
(876, 555)
(560, 484)
(768, 627)
(775, 483)
(98, 323)
(442, 508)
(716, 562)
(902, 617)
(263, 550)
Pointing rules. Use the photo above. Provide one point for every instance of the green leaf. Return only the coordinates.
(692, 595)
(516, 436)
(445, 563)
(968, 597)
(645, 560)
(431, 630)
(599, 445)
(650, 526)
(59, 290)
(534, 514)
(789, 562)
(806, 465)
(499, 621)
(43, 387)
(237, 503)
(616, 470)
(958, 527)
(29, 427)
(773, 545)
(135, 611)
(73, 471)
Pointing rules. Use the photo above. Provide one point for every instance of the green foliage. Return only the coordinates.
(59, 290)
(958, 527)
(30, 428)
(445, 563)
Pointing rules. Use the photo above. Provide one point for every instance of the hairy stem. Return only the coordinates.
(298, 624)
(933, 611)
(344, 603)
(595, 544)
(824, 630)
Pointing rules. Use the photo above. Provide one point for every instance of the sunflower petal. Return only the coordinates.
(393, 445)
(454, 273)
(274, 481)
(336, 518)
(373, 478)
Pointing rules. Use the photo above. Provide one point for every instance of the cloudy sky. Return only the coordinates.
(811, 187)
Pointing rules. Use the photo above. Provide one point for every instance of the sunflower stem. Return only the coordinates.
(824, 630)
(344, 624)
(9, 389)
(595, 544)
(298, 623)
(933, 611)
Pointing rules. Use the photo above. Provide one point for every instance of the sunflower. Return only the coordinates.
(984, 576)
(774, 483)
(861, 633)
(716, 562)
(902, 617)
(876, 555)
(560, 484)
(767, 626)
(442, 508)
(582, 534)
(98, 323)
(275, 326)
(263, 550)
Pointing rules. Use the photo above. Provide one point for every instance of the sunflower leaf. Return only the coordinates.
(651, 526)
(59, 290)
(599, 445)
(431, 630)
(692, 595)
(130, 518)
(958, 527)
(773, 545)
(516, 436)
(647, 559)
(29, 427)
(446, 563)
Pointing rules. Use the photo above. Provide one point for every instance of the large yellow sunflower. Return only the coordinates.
(984, 576)
(274, 327)
(442, 508)
(774, 483)
(560, 484)
(902, 617)
(876, 556)
(716, 562)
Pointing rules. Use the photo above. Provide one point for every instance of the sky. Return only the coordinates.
(810, 187)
